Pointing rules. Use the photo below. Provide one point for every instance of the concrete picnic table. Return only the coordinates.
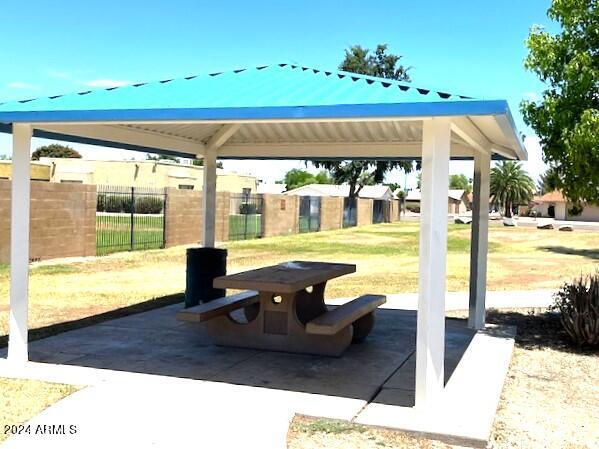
(285, 310)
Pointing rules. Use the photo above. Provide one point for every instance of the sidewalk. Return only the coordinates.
(459, 300)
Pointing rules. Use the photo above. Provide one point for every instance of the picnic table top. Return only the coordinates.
(288, 277)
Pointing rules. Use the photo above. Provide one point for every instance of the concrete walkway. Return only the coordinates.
(155, 382)
(459, 300)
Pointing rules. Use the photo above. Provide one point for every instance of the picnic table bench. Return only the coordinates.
(285, 310)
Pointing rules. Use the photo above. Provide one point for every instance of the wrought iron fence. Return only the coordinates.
(245, 217)
(350, 212)
(309, 214)
(129, 218)
(381, 211)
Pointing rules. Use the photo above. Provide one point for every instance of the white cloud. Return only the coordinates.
(21, 85)
(535, 165)
(106, 83)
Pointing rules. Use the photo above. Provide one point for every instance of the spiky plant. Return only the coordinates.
(511, 186)
(578, 305)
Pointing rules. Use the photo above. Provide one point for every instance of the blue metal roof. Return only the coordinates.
(283, 91)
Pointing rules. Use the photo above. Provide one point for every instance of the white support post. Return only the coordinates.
(430, 336)
(19, 243)
(209, 199)
(479, 240)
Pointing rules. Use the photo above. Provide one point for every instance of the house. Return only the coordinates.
(457, 201)
(378, 192)
(276, 189)
(554, 205)
(132, 173)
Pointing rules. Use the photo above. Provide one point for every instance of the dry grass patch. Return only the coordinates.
(313, 433)
(386, 256)
(21, 400)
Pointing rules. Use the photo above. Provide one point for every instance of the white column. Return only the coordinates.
(209, 199)
(479, 240)
(19, 243)
(430, 336)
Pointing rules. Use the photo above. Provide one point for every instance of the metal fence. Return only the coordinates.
(381, 211)
(309, 214)
(350, 212)
(129, 218)
(245, 217)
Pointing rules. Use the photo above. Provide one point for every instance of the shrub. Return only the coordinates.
(248, 209)
(101, 203)
(148, 205)
(117, 203)
(578, 305)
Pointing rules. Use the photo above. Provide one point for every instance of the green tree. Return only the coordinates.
(54, 150)
(360, 173)
(162, 157)
(549, 181)
(380, 63)
(567, 117)
(296, 177)
(511, 186)
(323, 177)
(460, 182)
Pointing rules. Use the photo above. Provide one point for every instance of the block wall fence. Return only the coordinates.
(63, 218)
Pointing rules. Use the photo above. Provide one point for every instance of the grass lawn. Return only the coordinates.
(550, 396)
(386, 256)
(21, 400)
(113, 232)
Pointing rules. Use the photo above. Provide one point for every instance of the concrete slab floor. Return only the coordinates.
(373, 381)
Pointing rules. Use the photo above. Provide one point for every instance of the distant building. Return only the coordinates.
(553, 204)
(158, 174)
(457, 201)
(39, 171)
(377, 192)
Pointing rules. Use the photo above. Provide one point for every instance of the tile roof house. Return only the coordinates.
(553, 204)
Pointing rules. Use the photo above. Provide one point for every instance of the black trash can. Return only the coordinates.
(203, 265)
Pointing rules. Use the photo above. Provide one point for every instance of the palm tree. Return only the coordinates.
(510, 186)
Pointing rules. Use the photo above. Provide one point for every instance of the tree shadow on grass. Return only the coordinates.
(538, 331)
(589, 253)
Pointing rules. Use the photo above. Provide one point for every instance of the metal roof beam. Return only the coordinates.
(467, 130)
(220, 137)
(115, 133)
(347, 150)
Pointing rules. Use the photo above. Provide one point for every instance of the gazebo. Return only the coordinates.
(284, 111)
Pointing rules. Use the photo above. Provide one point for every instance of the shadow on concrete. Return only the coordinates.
(154, 342)
(55, 329)
(589, 253)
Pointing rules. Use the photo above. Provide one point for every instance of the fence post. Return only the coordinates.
(164, 218)
(132, 239)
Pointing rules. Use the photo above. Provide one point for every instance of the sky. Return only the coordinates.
(469, 47)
